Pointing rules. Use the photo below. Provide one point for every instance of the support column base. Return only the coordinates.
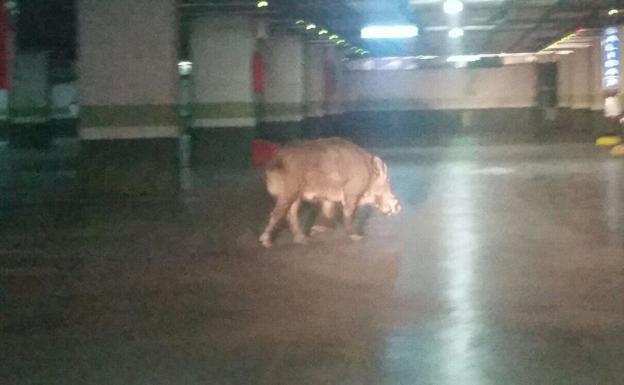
(280, 132)
(222, 147)
(134, 168)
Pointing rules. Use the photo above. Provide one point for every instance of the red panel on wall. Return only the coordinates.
(258, 73)
(4, 47)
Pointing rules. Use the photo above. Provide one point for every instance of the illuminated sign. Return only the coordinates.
(611, 58)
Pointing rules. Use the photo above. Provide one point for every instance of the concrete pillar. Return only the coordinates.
(335, 90)
(224, 115)
(315, 105)
(128, 75)
(283, 105)
(335, 98)
(314, 81)
(325, 90)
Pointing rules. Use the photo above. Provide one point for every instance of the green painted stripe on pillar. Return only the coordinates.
(229, 110)
(129, 116)
(29, 112)
(282, 109)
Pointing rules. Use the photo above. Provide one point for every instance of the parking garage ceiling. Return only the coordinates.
(490, 26)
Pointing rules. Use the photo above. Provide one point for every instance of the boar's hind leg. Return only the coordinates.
(281, 208)
(348, 209)
(328, 210)
(293, 222)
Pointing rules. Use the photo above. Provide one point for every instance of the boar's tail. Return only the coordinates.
(275, 177)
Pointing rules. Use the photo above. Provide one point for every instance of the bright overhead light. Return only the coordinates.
(323, 32)
(333, 37)
(455, 33)
(453, 7)
(185, 67)
(341, 41)
(310, 26)
(389, 32)
(613, 12)
(262, 4)
(298, 22)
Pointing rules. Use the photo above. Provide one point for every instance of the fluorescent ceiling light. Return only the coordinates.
(453, 7)
(389, 32)
(455, 33)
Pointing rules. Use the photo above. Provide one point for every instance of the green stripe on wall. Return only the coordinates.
(129, 116)
(227, 110)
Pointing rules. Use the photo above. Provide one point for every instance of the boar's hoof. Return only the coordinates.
(356, 237)
(265, 239)
(301, 239)
(318, 229)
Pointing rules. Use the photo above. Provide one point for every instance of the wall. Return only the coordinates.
(443, 89)
(581, 99)
(581, 79)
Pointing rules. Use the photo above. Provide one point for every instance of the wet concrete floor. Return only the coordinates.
(506, 267)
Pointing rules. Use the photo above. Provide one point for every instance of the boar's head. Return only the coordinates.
(379, 193)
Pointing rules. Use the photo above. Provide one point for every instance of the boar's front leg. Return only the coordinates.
(293, 221)
(328, 211)
(349, 207)
(281, 208)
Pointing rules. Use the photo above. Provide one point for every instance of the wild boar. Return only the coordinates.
(327, 171)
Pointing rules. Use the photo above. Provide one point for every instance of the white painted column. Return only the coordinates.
(222, 48)
(336, 100)
(128, 76)
(128, 69)
(285, 90)
(314, 80)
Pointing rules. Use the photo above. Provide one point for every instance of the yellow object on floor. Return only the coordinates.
(618, 150)
(609, 140)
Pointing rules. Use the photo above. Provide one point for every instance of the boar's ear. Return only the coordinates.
(380, 167)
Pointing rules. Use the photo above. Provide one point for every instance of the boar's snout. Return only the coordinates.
(391, 206)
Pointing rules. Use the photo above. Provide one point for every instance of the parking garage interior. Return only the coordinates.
(132, 197)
